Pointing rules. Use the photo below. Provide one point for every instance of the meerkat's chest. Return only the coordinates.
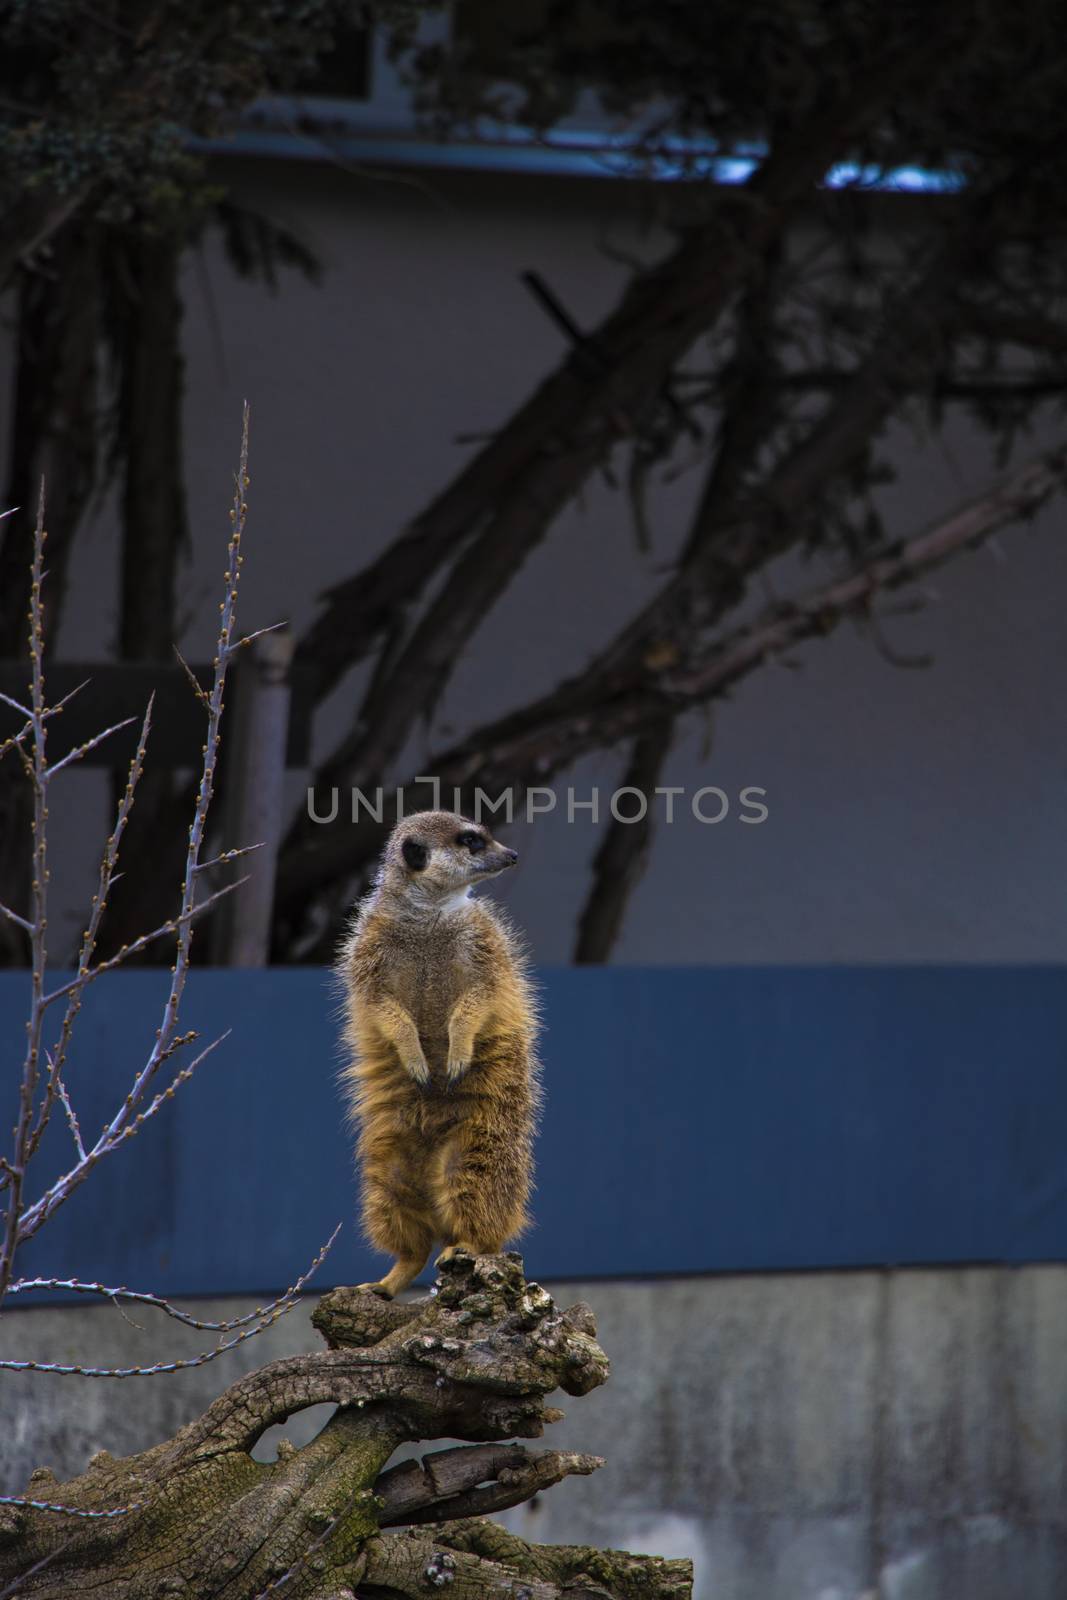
(428, 976)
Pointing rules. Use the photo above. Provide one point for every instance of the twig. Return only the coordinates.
(13, 916)
(69, 1511)
(172, 925)
(888, 651)
(176, 1082)
(39, 894)
(817, 612)
(132, 1113)
(51, 711)
(23, 711)
(90, 744)
(271, 1315)
(226, 857)
(75, 1286)
(16, 1584)
(42, 1209)
(197, 687)
(106, 879)
(274, 627)
(72, 1119)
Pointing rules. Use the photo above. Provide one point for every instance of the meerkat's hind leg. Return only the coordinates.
(395, 1220)
(378, 1288)
(400, 1274)
(463, 1247)
(474, 1203)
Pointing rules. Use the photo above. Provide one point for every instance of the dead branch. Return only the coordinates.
(752, 530)
(498, 508)
(751, 401)
(532, 745)
(33, 222)
(472, 1480)
(1028, 328)
(623, 855)
(553, 743)
(733, 537)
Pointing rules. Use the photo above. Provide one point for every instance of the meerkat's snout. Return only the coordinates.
(499, 858)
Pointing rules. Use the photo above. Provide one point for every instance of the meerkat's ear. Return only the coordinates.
(415, 854)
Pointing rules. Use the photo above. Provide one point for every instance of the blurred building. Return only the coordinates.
(811, 1434)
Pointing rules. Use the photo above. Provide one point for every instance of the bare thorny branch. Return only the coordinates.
(24, 1221)
(108, 867)
(590, 713)
(251, 1324)
(43, 1082)
(36, 768)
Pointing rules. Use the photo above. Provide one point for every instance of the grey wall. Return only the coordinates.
(861, 1436)
(914, 815)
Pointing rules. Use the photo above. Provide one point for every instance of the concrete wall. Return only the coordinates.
(862, 1436)
(914, 816)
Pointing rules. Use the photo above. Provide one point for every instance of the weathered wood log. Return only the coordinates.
(197, 1516)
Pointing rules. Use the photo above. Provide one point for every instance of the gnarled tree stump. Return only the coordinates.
(472, 1361)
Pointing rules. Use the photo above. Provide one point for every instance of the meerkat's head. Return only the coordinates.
(438, 855)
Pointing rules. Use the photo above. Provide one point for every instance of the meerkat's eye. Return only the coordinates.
(471, 841)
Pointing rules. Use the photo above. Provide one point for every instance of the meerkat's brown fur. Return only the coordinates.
(441, 1021)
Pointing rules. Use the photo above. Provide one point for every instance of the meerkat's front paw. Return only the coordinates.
(378, 1288)
(457, 1066)
(416, 1065)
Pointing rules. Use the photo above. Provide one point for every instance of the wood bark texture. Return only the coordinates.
(474, 1360)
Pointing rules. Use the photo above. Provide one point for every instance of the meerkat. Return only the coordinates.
(443, 1081)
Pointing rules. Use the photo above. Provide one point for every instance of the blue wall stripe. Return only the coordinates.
(575, 153)
(697, 1120)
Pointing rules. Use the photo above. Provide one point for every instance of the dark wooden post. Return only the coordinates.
(253, 812)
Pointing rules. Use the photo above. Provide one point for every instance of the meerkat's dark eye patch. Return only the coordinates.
(471, 841)
(415, 854)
